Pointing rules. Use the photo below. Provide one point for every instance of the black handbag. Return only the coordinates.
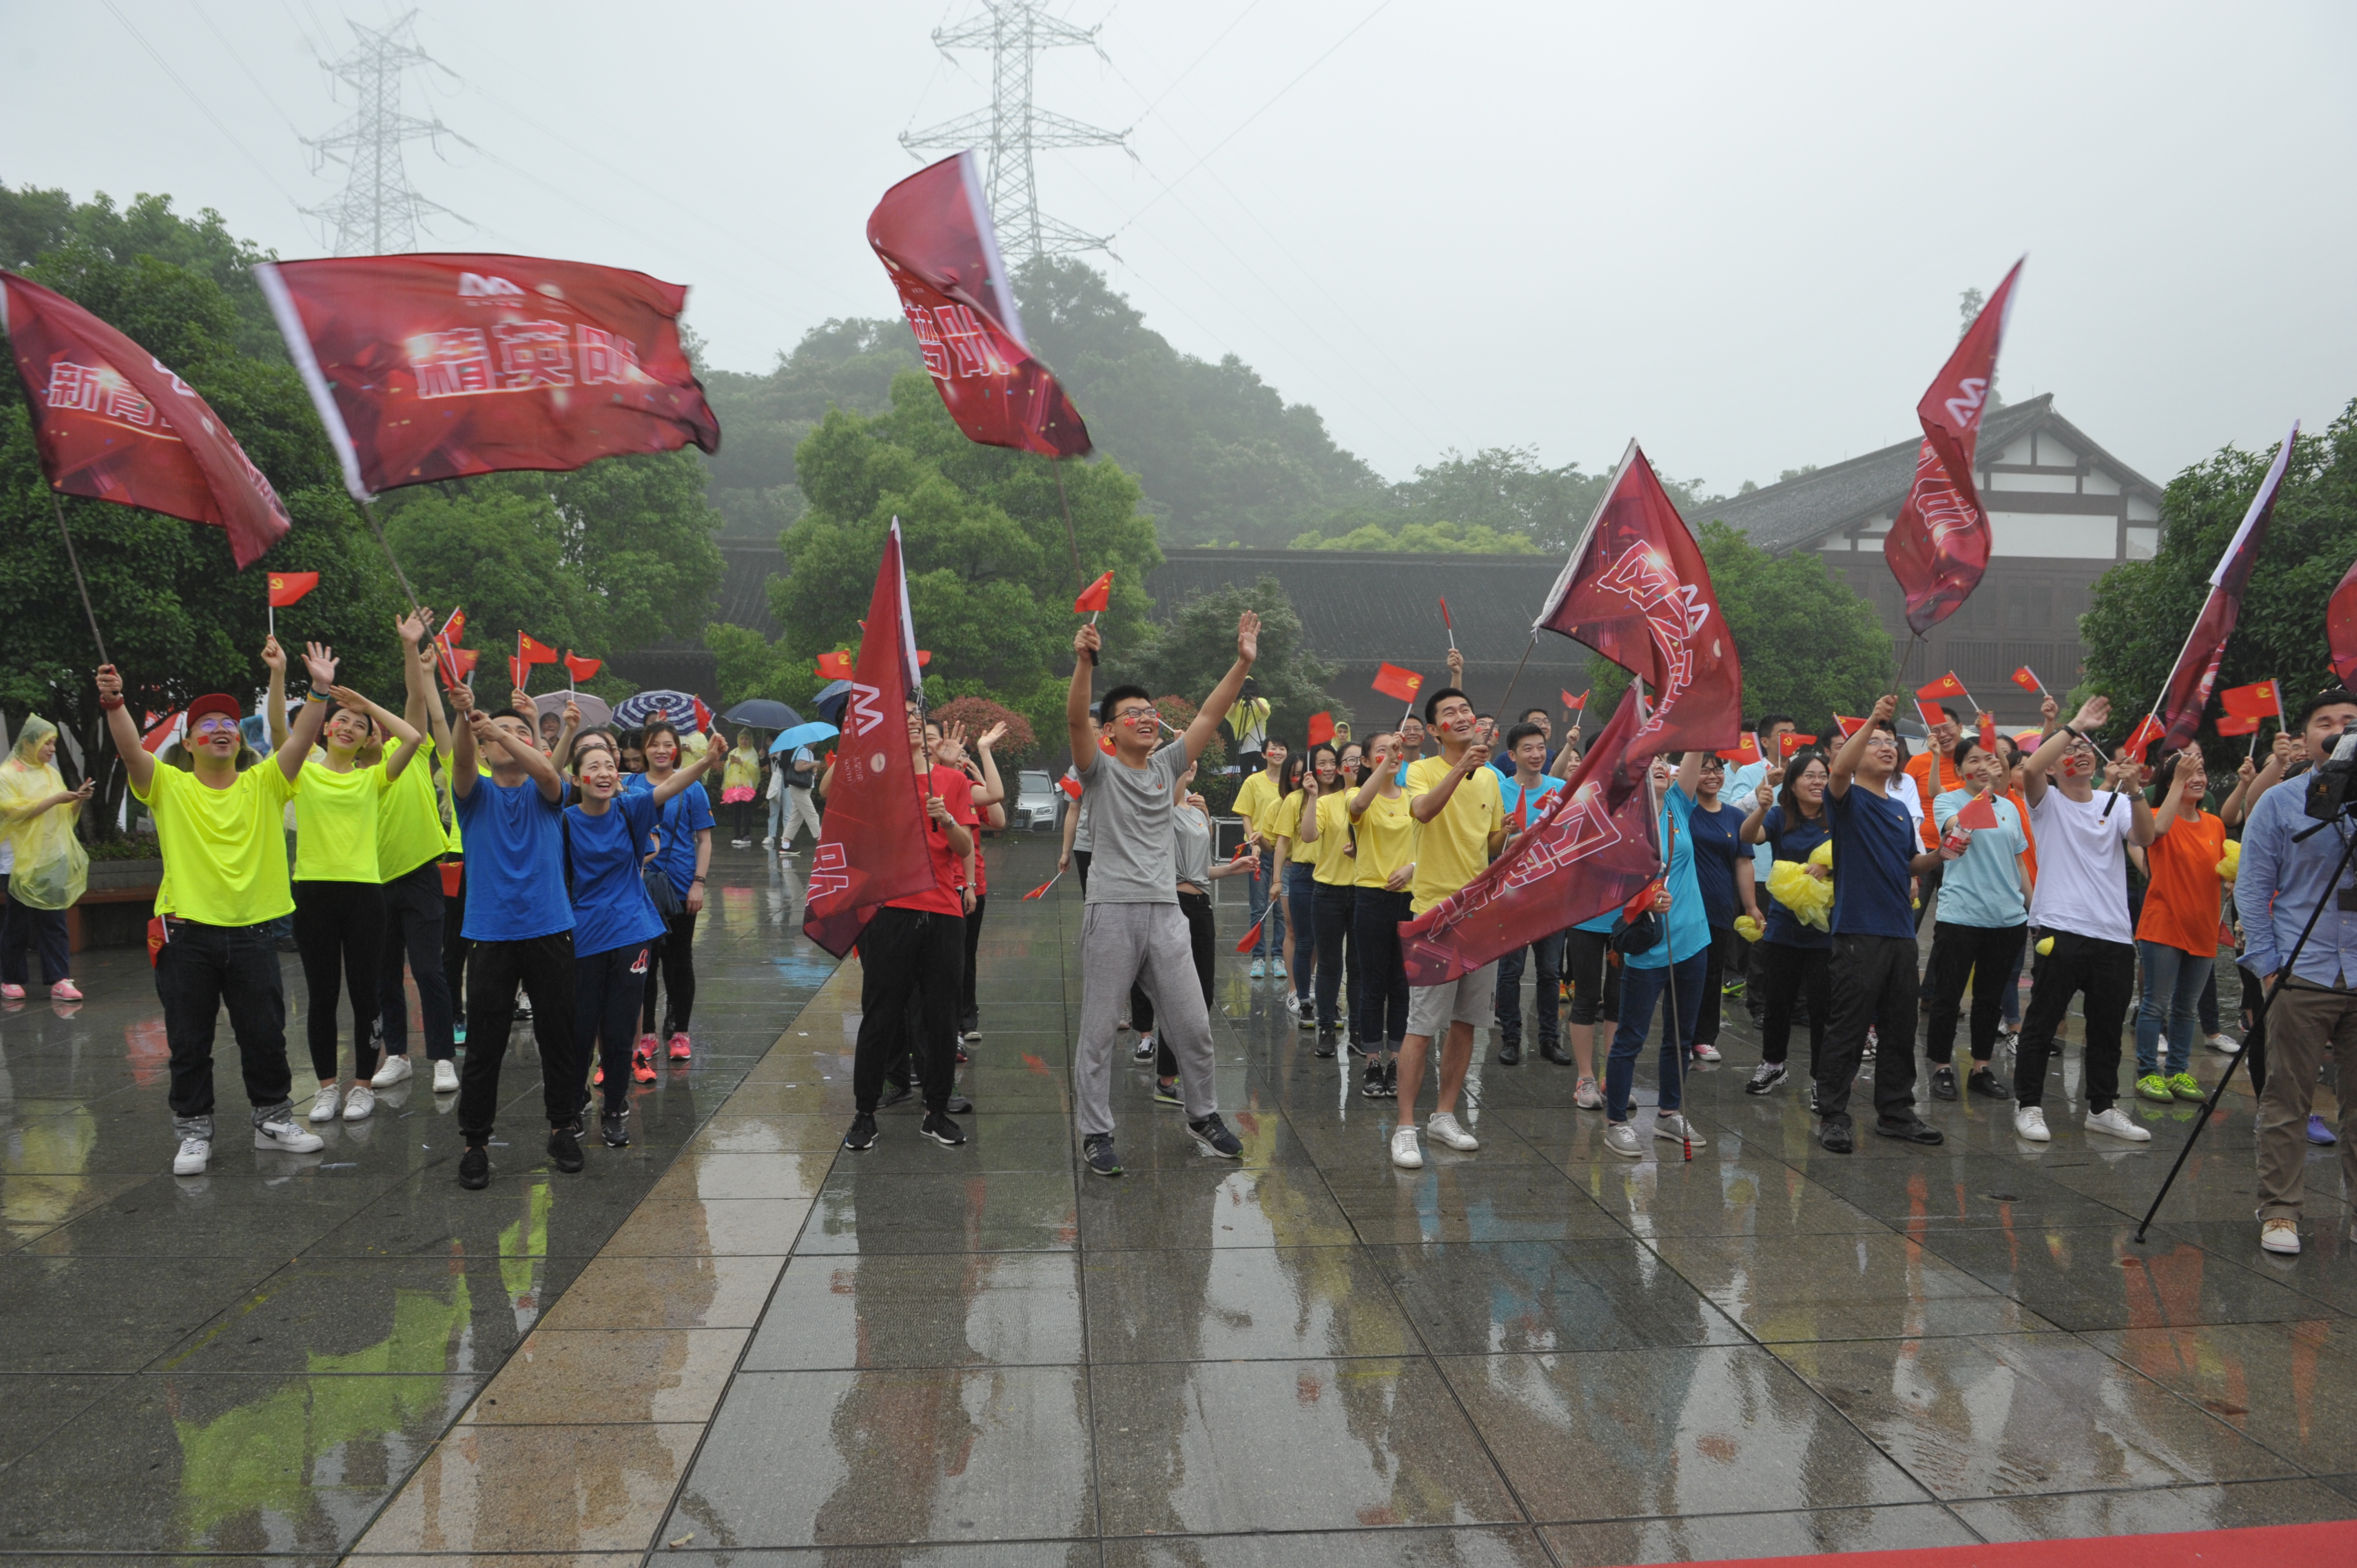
(1640, 935)
(659, 889)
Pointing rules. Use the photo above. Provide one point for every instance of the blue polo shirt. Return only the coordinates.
(610, 906)
(515, 863)
(1874, 840)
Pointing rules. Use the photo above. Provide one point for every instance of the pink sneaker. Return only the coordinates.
(12, 992)
(64, 991)
(679, 1047)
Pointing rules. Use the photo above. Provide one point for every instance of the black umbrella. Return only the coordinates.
(760, 713)
(830, 700)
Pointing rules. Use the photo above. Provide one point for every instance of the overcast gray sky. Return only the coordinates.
(1735, 232)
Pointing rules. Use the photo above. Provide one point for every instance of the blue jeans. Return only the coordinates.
(2173, 979)
(1268, 913)
(1301, 898)
(1640, 990)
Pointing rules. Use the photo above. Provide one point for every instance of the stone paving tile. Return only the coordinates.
(1898, 1527)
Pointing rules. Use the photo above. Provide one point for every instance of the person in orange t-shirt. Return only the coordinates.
(2177, 938)
(1934, 769)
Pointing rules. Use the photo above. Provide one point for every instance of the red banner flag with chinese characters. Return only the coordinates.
(2341, 627)
(434, 367)
(285, 587)
(2261, 701)
(1939, 545)
(932, 231)
(2187, 695)
(1592, 848)
(1945, 686)
(1321, 728)
(2027, 679)
(112, 423)
(1400, 685)
(581, 668)
(873, 849)
(1636, 591)
(532, 651)
(1095, 597)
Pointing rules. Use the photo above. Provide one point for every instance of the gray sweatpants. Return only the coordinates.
(1147, 944)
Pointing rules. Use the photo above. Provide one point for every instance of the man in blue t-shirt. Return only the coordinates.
(1876, 855)
(1525, 793)
(520, 924)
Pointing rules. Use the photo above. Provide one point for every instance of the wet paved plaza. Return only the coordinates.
(730, 1342)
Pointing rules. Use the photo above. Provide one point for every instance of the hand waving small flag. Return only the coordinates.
(1096, 597)
(2257, 702)
(2027, 679)
(579, 669)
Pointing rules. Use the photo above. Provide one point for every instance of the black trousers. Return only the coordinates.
(2105, 974)
(455, 946)
(1873, 980)
(1375, 917)
(200, 968)
(2255, 1028)
(412, 929)
(607, 988)
(1726, 958)
(1782, 974)
(1984, 953)
(1203, 930)
(543, 966)
(339, 931)
(1594, 979)
(23, 926)
(969, 1010)
(1546, 955)
(1336, 910)
(909, 960)
(675, 957)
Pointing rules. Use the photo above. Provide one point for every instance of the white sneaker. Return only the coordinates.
(2115, 1122)
(1621, 1138)
(1587, 1096)
(359, 1102)
(1143, 1050)
(1442, 1128)
(1293, 1003)
(766, 842)
(2029, 1121)
(1677, 1129)
(2227, 1045)
(1704, 1051)
(2280, 1234)
(195, 1152)
(395, 1071)
(446, 1077)
(323, 1106)
(1405, 1152)
(286, 1137)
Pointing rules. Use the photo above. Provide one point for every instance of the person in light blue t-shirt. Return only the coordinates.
(1526, 791)
(1982, 919)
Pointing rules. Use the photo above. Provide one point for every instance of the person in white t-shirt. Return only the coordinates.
(2082, 903)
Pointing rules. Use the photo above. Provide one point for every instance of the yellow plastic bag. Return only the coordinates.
(1809, 899)
(53, 868)
(1748, 929)
(2233, 863)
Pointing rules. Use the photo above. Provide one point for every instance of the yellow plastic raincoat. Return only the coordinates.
(53, 868)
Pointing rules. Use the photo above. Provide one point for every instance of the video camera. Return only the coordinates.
(2328, 787)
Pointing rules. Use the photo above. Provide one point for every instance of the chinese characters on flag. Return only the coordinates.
(112, 423)
(434, 367)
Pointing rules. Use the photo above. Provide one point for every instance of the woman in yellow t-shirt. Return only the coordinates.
(1384, 834)
(1315, 777)
(1334, 871)
(339, 889)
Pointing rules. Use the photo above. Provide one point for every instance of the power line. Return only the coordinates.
(202, 108)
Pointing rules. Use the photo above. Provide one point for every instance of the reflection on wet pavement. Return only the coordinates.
(733, 1341)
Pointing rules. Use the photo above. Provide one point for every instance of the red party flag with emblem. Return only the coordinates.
(1595, 844)
(1988, 732)
(1846, 724)
(836, 666)
(1979, 813)
(285, 587)
(1931, 713)
(518, 672)
(1574, 705)
(532, 651)
(1095, 597)
(580, 669)
(1321, 728)
(1945, 686)
(437, 366)
(1636, 590)
(2027, 679)
(873, 849)
(112, 423)
(1938, 547)
(934, 233)
(1744, 754)
(1400, 685)
(1792, 741)
(2261, 701)
(459, 664)
(2232, 725)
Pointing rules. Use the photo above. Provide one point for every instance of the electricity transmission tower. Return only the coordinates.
(1013, 128)
(379, 211)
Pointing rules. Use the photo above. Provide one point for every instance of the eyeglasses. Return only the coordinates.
(214, 725)
(1138, 718)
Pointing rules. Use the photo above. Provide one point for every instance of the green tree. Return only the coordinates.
(846, 364)
(1506, 491)
(1190, 654)
(1464, 539)
(2141, 611)
(1810, 645)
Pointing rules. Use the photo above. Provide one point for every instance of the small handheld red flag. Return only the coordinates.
(2027, 679)
(1643, 899)
(581, 668)
(1792, 741)
(458, 663)
(1400, 685)
(1846, 724)
(1978, 812)
(1945, 686)
(2230, 724)
(1929, 713)
(1040, 891)
(1070, 786)
(1988, 732)
(1321, 728)
(2150, 730)
(532, 651)
(2256, 702)
(836, 666)
(1095, 597)
(1575, 704)
(1746, 753)
(285, 587)
(160, 732)
(1252, 936)
(518, 672)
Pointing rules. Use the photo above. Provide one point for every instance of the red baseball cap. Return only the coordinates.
(218, 703)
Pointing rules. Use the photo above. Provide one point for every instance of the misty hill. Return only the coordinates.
(1222, 457)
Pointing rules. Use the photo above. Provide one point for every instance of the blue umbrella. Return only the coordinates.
(804, 735)
(831, 699)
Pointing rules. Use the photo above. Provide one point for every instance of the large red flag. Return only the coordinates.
(1636, 591)
(1939, 545)
(2341, 627)
(433, 367)
(1592, 848)
(932, 233)
(113, 424)
(873, 848)
(2183, 700)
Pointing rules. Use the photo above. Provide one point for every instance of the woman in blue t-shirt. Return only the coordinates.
(615, 926)
(1792, 957)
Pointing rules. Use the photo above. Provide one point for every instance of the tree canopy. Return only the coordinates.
(846, 364)
(1190, 653)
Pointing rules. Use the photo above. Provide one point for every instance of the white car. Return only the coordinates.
(1037, 802)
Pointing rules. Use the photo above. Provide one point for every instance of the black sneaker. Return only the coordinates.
(1213, 1135)
(1837, 1138)
(1510, 1054)
(1325, 1045)
(1911, 1131)
(1166, 1091)
(1372, 1087)
(862, 1136)
(1556, 1053)
(1988, 1085)
(564, 1148)
(475, 1168)
(898, 1093)
(1943, 1082)
(942, 1130)
(1356, 1048)
(1391, 1080)
(615, 1127)
(1097, 1150)
(1765, 1076)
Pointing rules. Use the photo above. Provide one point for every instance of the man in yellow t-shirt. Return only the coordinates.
(1256, 803)
(222, 834)
(1461, 821)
